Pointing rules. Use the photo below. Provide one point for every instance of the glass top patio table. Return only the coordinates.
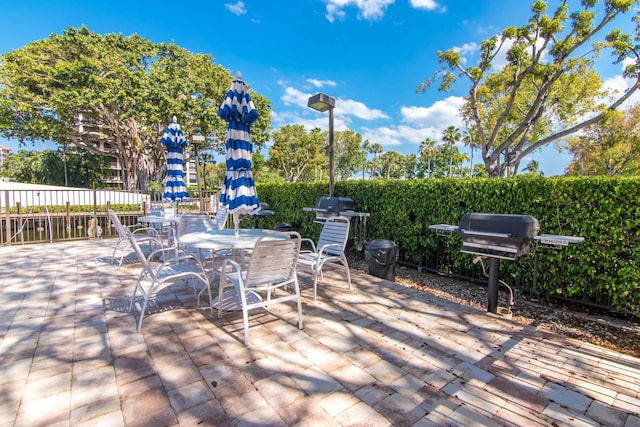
(216, 240)
(159, 220)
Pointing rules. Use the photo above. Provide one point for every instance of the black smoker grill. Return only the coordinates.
(496, 236)
(327, 207)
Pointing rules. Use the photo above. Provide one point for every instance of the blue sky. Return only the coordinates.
(370, 55)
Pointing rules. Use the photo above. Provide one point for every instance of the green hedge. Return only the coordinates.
(605, 269)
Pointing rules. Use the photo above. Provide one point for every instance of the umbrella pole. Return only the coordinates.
(236, 223)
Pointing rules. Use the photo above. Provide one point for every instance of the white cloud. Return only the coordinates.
(344, 107)
(627, 61)
(617, 86)
(321, 83)
(340, 123)
(358, 109)
(293, 96)
(424, 4)
(236, 8)
(394, 136)
(417, 124)
(442, 113)
(372, 10)
(333, 11)
(466, 49)
(369, 10)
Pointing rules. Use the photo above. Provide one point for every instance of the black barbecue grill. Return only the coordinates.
(500, 236)
(327, 207)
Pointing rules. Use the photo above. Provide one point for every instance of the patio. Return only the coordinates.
(381, 355)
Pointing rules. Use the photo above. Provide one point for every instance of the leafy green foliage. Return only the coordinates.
(605, 269)
(114, 95)
(610, 147)
(84, 170)
(548, 89)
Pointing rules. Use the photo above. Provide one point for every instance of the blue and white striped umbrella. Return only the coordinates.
(239, 191)
(174, 188)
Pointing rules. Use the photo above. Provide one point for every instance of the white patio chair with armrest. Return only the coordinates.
(272, 269)
(192, 223)
(177, 265)
(328, 251)
(146, 235)
(221, 217)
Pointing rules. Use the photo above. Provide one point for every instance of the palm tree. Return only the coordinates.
(451, 135)
(469, 141)
(428, 151)
(533, 167)
(206, 158)
(375, 149)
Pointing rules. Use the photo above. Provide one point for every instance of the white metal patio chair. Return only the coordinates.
(177, 265)
(192, 223)
(328, 251)
(221, 217)
(142, 235)
(270, 277)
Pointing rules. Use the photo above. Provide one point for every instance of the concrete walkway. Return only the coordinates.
(380, 355)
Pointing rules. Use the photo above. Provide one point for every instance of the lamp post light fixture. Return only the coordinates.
(321, 102)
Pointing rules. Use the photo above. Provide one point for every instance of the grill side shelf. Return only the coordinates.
(444, 228)
(556, 240)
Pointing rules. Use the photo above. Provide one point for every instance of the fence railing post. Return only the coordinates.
(7, 218)
(107, 223)
(95, 214)
(68, 225)
(19, 208)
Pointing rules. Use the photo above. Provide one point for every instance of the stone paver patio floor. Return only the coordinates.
(382, 354)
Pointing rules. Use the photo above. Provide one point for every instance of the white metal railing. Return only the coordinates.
(39, 213)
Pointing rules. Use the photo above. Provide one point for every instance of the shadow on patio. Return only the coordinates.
(383, 354)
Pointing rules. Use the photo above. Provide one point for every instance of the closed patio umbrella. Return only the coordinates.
(239, 191)
(174, 140)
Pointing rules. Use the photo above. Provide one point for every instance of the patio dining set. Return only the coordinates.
(251, 268)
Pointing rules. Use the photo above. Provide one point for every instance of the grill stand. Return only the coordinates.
(544, 240)
(535, 295)
(492, 289)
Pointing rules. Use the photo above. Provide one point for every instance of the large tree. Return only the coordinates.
(297, 154)
(350, 153)
(548, 89)
(610, 147)
(114, 95)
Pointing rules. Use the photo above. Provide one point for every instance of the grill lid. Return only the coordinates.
(498, 235)
(335, 204)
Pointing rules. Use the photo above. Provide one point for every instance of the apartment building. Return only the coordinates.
(4, 152)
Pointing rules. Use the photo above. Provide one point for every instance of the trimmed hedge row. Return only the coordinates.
(605, 269)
